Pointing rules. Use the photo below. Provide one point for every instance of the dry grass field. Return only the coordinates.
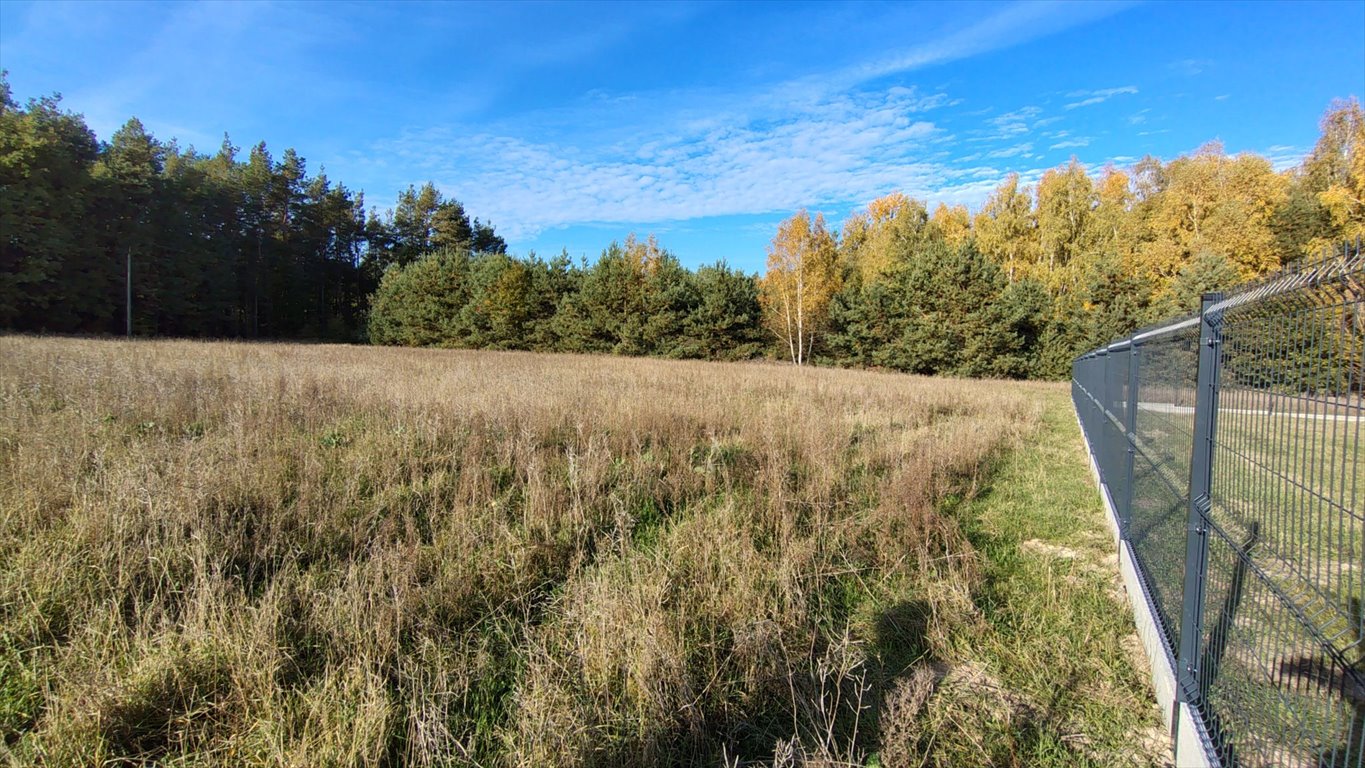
(229, 554)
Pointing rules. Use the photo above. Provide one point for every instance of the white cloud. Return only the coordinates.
(984, 181)
(1014, 151)
(1014, 123)
(1089, 98)
(1282, 157)
(846, 148)
(1190, 67)
(1071, 143)
(820, 141)
(1017, 23)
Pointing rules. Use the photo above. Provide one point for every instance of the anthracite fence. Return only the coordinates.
(1228, 450)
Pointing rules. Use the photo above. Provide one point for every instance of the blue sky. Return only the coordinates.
(569, 126)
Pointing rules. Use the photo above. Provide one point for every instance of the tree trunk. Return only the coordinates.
(800, 319)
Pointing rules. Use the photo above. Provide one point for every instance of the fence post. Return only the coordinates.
(1106, 427)
(1201, 475)
(1130, 437)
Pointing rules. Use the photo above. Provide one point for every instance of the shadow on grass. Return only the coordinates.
(899, 638)
(899, 648)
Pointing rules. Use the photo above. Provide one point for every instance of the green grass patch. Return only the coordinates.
(1048, 670)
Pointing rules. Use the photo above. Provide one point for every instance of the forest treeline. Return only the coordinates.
(1040, 274)
(228, 246)
(232, 244)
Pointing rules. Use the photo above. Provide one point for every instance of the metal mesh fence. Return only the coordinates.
(1229, 446)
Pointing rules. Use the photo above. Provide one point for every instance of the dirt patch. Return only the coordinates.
(1039, 547)
(937, 696)
(1117, 592)
(1136, 653)
(1086, 562)
(972, 680)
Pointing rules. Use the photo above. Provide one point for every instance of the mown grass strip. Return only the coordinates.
(1049, 671)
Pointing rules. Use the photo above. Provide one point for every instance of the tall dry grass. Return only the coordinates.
(229, 554)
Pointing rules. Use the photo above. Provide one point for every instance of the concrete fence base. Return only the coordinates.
(1189, 739)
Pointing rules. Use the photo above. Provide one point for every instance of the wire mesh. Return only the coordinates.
(1279, 674)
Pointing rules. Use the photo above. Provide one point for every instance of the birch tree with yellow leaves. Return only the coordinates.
(1066, 201)
(1337, 166)
(952, 223)
(1112, 220)
(877, 239)
(801, 279)
(1005, 228)
(1216, 204)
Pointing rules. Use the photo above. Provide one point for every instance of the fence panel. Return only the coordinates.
(1162, 439)
(1258, 581)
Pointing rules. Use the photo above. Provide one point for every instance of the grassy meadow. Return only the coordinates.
(227, 554)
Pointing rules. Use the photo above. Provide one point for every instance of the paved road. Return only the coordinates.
(1188, 410)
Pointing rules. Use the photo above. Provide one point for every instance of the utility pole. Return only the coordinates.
(128, 321)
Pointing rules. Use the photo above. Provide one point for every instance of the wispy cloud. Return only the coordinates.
(1071, 143)
(828, 154)
(1282, 157)
(1089, 98)
(823, 140)
(1190, 67)
(845, 148)
(1017, 23)
(235, 46)
(1015, 123)
(983, 181)
(1013, 151)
